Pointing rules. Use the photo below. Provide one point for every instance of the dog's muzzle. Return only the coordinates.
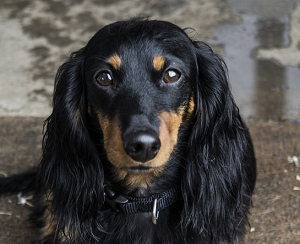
(142, 145)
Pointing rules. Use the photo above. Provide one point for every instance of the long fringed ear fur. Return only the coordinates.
(70, 170)
(220, 171)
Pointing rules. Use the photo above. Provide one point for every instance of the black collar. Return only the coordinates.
(130, 205)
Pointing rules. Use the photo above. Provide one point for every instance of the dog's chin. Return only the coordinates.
(139, 175)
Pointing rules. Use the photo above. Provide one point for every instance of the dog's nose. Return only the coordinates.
(142, 146)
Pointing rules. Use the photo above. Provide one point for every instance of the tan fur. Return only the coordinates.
(78, 117)
(171, 121)
(49, 228)
(50, 225)
(158, 62)
(115, 61)
(168, 132)
(191, 105)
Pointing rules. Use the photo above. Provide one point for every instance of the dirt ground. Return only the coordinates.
(276, 203)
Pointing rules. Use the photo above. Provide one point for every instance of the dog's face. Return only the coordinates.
(140, 90)
(142, 105)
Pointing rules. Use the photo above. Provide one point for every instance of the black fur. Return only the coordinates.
(212, 163)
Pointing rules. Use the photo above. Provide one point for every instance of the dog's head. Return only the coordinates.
(139, 96)
(140, 80)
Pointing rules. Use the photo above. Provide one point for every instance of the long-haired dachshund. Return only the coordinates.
(145, 144)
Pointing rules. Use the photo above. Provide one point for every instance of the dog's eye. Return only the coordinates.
(171, 75)
(105, 79)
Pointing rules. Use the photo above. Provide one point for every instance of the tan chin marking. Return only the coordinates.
(133, 180)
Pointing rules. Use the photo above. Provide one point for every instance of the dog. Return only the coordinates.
(144, 145)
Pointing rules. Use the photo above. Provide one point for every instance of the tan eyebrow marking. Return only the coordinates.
(158, 62)
(115, 61)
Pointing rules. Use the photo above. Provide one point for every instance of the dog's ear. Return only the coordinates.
(70, 168)
(216, 185)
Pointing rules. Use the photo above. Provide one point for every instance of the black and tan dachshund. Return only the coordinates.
(145, 144)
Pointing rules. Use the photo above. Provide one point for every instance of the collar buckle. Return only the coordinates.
(113, 199)
(152, 204)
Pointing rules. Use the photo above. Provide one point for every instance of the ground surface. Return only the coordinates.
(258, 39)
(274, 216)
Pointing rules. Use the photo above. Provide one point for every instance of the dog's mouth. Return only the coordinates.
(139, 169)
(138, 175)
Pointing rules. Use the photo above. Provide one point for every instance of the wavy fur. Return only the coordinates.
(212, 163)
